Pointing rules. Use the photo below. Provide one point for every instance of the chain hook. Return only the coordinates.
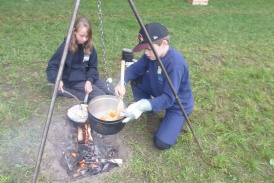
(99, 5)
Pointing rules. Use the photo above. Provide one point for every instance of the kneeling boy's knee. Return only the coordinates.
(160, 144)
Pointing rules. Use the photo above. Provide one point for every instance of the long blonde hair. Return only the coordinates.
(81, 22)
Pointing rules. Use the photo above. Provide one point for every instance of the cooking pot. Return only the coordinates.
(98, 107)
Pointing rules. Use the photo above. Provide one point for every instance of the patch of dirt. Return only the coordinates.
(58, 140)
(154, 121)
(21, 142)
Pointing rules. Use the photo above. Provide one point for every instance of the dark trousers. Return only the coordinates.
(173, 121)
(99, 87)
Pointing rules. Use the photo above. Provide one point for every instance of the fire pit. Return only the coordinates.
(90, 154)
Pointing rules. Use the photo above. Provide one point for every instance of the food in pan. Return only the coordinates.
(111, 115)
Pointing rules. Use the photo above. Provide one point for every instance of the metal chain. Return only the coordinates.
(102, 38)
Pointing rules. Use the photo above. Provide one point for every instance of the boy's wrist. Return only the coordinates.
(125, 83)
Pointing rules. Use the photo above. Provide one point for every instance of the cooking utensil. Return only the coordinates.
(86, 99)
(98, 107)
(84, 105)
(79, 113)
(120, 106)
(72, 96)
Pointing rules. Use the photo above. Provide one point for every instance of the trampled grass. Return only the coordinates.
(229, 47)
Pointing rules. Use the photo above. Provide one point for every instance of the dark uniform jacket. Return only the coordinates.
(78, 67)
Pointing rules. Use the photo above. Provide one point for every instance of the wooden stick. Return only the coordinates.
(120, 106)
(60, 71)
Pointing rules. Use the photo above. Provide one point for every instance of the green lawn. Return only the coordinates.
(229, 47)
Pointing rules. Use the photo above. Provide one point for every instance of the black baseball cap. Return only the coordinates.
(156, 31)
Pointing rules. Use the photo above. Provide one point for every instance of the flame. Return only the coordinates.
(78, 170)
(92, 165)
(84, 134)
(82, 164)
(73, 154)
(88, 137)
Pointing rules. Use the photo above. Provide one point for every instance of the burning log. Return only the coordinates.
(118, 162)
(80, 136)
(94, 167)
(88, 133)
(84, 134)
(86, 162)
(79, 173)
(105, 168)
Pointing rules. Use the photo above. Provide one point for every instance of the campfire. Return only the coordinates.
(90, 154)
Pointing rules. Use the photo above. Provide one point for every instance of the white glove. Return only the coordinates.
(135, 110)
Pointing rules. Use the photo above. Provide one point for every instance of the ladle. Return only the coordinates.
(80, 102)
(72, 96)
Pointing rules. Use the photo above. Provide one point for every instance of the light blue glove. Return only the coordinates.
(135, 110)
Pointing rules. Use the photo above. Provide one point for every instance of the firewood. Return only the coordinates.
(119, 162)
(89, 134)
(80, 134)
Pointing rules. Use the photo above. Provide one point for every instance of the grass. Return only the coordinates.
(229, 46)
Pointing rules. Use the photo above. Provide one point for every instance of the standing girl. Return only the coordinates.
(80, 74)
